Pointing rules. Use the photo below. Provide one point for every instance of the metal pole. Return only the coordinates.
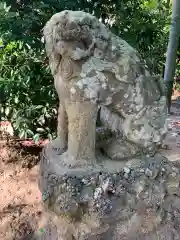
(170, 65)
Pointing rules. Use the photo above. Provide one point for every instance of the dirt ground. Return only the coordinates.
(20, 198)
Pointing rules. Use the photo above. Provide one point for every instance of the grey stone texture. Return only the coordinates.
(129, 200)
(108, 182)
(98, 73)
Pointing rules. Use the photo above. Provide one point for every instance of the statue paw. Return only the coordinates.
(57, 146)
(72, 162)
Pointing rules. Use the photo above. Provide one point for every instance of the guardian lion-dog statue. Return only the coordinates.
(98, 74)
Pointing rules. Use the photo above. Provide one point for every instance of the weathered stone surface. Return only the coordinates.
(96, 203)
(96, 72)
(86, 192)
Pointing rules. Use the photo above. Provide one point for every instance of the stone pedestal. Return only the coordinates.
(137, 199)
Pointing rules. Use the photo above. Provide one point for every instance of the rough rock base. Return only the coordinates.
(137, 199)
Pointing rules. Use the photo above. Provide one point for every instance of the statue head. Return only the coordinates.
(68, 30)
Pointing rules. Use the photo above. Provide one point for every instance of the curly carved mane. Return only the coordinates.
(74, 26)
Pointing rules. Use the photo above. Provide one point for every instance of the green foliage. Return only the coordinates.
(177, 79)
(178, 64)
(29, 97)
(145, 25)
(27, 93)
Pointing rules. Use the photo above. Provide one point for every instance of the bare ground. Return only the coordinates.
(20, 198)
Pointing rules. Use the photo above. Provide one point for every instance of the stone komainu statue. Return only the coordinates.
(96, 72)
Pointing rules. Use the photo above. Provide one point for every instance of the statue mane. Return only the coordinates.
(74, 25)
(80, 27)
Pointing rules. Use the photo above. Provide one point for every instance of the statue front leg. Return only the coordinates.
(81, 133)
(59, 144)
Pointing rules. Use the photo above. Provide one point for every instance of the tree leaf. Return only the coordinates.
(22, 133)
(49, 136)
(7, 111)
(30, 132)
(36, 138)
(40, 130)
